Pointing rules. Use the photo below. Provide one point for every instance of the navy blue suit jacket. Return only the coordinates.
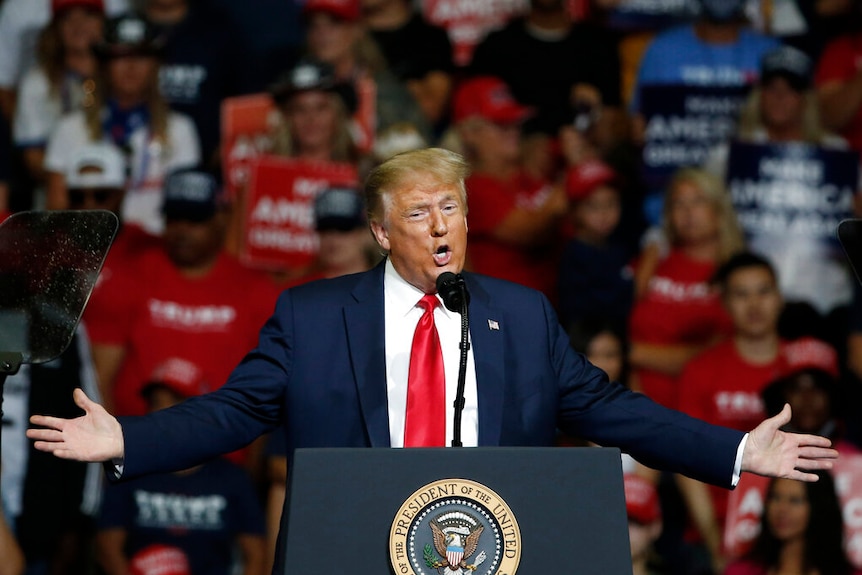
(319, 371)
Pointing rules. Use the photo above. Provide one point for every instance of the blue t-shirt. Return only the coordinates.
(678, 56)
(201, 512)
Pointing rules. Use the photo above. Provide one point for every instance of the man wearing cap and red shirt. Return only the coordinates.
(197, 300)
(514, 217)
(96, 180)
(195, 518)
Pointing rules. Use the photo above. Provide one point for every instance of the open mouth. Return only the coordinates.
(442, 256)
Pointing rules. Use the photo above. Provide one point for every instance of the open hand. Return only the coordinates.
(775, 453)
(94, 436)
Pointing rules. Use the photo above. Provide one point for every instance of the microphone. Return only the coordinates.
(453, 291)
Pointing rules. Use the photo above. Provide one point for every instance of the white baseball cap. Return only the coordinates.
(97, 165)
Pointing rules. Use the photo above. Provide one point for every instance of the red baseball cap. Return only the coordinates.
(811, 353)
(489, 98)
(581, 180)
(341, 9)
(159, 560)
(179, 375)
(60, 5)
(642, 504)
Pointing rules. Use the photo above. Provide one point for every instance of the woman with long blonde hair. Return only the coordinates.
(677, 313)
(63, 79)
(128, 111)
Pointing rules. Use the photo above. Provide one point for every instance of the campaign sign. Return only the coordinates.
(278, 222)
(789, 199)
(468, 21)
(747, 502)
(744, 510)
(247, 124)
(682, 125)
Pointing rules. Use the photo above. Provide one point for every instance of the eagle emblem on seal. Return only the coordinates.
(456, 537)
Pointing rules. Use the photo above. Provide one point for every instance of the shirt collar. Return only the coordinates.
(400, 294)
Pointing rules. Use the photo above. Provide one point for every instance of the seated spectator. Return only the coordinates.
(193, 287)
(20, 24)
(128, 111)
(595, 278)
(335, 35)
(839, 82)
(802, 531)
(419, 54)
(96, 180)
(202, 514)
(63, 80)
(514, 218)
(314, 115)
(677, 314)
(603, 344)
(782, 107)
(204, 60)
(723, 384)
(345, 247)
(645, 523)
(815, 398)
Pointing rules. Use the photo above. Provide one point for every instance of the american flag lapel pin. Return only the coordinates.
(493, 325)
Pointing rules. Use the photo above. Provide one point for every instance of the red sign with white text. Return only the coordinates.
(247, 124)
(278, 223)
(468, 21)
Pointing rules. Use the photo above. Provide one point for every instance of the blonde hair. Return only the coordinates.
(447, 168)
(751, 117)
(156, 104)
(343, 148)
(730, 238)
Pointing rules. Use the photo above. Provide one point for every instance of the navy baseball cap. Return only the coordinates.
(789, 63)
(339, 209)
(192, 195)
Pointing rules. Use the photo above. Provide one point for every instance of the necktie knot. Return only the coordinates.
(428, 302)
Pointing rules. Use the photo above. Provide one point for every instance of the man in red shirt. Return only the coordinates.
(839, 85)
(515, 218)
(723, 384)
(190, 299)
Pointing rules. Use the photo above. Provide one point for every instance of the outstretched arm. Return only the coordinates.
(775, 453)
(94, 436)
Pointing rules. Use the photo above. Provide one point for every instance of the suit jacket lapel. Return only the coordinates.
(364, 322)
(489, 355)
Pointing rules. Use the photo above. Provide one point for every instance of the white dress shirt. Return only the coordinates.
(402, 316)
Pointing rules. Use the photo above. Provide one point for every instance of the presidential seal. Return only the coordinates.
(454, 527)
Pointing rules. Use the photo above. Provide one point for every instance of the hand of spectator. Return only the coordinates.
(775, 453)
(95, 436)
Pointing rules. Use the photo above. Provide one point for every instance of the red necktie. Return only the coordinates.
(425, 420)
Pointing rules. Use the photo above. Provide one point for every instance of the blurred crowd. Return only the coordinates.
(669, 174)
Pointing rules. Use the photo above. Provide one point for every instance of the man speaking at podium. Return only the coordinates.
(372, 360)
